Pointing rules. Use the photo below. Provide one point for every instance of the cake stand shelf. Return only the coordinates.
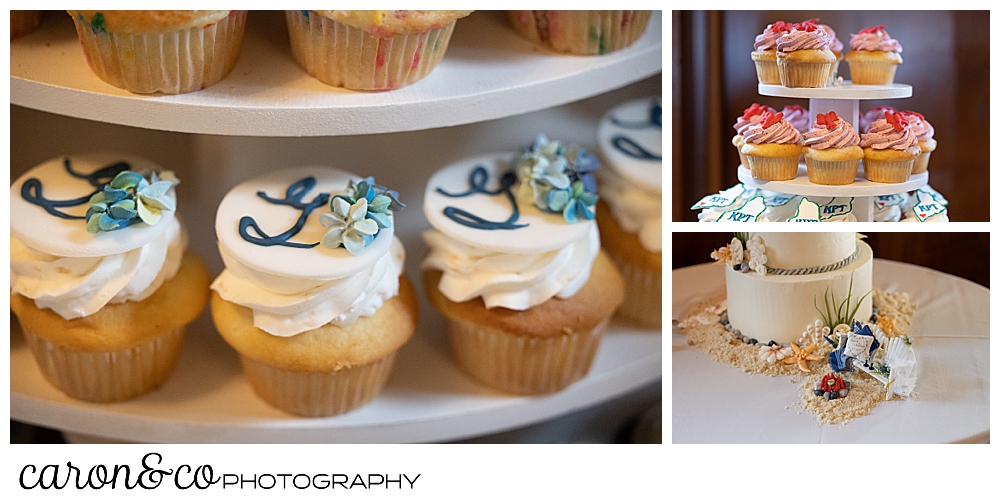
(488, 72)
(843, 99)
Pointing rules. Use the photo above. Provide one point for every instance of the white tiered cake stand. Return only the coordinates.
(842, 99)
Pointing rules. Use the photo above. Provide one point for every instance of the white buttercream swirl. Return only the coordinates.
(637, 211)
(513, 281)
(284, 306)
(75, 287)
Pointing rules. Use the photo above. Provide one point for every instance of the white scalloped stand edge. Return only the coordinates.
(488, 72)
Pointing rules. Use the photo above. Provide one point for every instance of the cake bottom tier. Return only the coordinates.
(779, 307)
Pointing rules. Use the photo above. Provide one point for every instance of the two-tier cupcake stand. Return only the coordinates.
(843, 99)
(492, 92)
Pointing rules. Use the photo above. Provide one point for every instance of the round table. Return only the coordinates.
(716, 403)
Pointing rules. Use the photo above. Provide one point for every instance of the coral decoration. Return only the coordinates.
(872, 29)
(827, 120)
(897, 121)
(755, 110)
(770, 119)
(833, 383)
(912, 113)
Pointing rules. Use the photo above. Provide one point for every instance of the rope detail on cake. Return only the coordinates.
(818, 269)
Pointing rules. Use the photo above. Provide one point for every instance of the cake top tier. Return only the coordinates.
(807, 250)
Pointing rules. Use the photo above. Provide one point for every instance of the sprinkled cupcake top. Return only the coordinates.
(133, 21)
(751, 116)
(768, 40)
(388, 23)
(892, 132)
(921, 128)
(803, 36)
(772, 129)
(830, 132)
(875, 38)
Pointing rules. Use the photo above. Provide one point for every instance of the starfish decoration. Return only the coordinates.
(802, 356)
(887, 325)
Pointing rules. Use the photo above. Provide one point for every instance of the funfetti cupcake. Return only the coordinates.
(629, 212)
(100, 278)
(804, 56)
(168, 52)
(765, 52)
(313, 297)
(751, 116)
(925, 139)
(874, 114)
(831, 151)
(370, 50)
(772, 148)
(516, 266)
(874, 56)
(583, 32)
(890, 149)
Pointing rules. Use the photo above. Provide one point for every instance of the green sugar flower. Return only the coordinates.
(130, 198)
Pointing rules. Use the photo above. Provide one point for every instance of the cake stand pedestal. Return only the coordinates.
(842, 99)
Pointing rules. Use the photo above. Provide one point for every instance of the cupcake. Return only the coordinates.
(370, 50)
(765, 52)
(890, 149)
(772, 148)
(516, 267)
(798, 116)
(874, 56)
(584, 32)
(804, 56)
(22, 22)
(629, 212)
(888, 207)
(99, 276)
(836, 47)
(750, 117)
(312, 297)
(874, 114)
(169, 52)
(925, 139)
(831, 151)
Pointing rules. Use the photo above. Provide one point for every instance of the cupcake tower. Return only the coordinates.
(833, 145)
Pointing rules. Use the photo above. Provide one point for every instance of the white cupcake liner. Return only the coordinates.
(340, 55)
(108, 376)
(170, 63)
(584, 32)
(773, 168)
(831, 172)
(519, 364)
(888, 172)
(643, 305)
(318, 394)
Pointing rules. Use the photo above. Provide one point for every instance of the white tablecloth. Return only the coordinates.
(716, 403)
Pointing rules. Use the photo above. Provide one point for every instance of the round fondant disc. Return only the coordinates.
(59, 236)
(544, 231)
(318, 262)
(643, 140)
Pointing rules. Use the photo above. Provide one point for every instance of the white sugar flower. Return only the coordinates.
(755, 255)
(773, 354)
(348, 225)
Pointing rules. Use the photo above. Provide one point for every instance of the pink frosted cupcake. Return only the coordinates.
(890, 149)
(798, 116)
(874, 114)
(831, 151)
(772, 148)
(750, 117)
(836, 47)
(925, 139)
(169, 52)
(765, 52)
(584, 32)
(804, 56)
(874, 56)
(370, 50)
